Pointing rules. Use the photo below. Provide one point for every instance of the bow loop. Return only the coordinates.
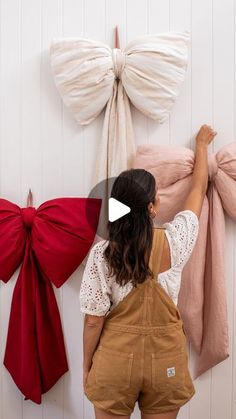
(28, 215)
(118, 57)
(212, 167)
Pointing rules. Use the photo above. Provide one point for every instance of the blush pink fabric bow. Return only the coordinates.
(202, 297)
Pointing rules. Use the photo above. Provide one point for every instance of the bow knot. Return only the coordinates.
(118, 57)
(28, 215)
(212, 167)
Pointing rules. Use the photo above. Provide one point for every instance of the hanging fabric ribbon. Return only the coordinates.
(90, 75)
(202, 298)
(50, 242)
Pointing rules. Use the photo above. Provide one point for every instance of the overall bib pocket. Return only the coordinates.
(113, 368)
(168, 373)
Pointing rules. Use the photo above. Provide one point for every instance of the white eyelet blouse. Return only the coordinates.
(98, 290)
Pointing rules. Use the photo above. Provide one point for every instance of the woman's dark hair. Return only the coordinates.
(130, 237)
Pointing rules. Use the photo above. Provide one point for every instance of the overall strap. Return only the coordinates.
(157, 250)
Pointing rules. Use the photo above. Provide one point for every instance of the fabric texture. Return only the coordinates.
(141, 354)
(202, 298)
(49, 243)
(90, 75)
(98, 289)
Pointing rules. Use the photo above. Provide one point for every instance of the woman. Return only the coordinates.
(134, 339)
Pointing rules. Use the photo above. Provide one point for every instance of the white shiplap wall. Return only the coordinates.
(42, 147)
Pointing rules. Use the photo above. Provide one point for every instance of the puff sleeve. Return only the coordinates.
(182, 234)
(95, 292)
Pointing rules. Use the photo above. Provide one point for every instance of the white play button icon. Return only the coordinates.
(116, 209)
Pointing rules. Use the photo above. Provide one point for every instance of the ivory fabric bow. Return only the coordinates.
(202, 298)
(50, 242)
(90, 75)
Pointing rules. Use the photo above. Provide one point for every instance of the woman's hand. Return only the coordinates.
(205, 135)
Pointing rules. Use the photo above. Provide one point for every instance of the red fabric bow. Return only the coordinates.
(51, 242)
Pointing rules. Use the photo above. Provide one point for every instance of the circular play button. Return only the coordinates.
(116, 209)
(121, 196)
(111, 208)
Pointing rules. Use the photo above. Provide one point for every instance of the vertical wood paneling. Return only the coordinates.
(159, 21)
(75, 147)
(75, 152)
(42, 147)
(52, 159)
(31, 152)
(93, 12)
(11, 171)
(137, 20)
(223, 119)
(51, 106)
(180, 116)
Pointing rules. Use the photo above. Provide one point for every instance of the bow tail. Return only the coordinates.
(215, 343)
(51, 348)
(121, 145)
(33, 330)
(21, 354)
(117, 148)
(191, 295)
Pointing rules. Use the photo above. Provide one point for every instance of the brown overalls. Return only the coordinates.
(142, 354)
